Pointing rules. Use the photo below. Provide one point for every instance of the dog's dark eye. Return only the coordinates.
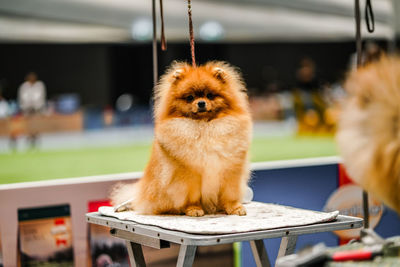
(189, 98)
(210, 96)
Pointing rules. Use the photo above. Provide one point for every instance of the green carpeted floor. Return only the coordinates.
(43, 165)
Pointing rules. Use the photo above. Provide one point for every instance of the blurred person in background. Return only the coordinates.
(32, 94)
(3, 105)
(32, 101)
(309, 105)
(5, 112)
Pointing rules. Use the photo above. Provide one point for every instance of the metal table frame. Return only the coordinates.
(137, 235)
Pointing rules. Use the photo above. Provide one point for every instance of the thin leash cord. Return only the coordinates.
(358, 32)
(163, 41)
(155, 55)
(191, 33)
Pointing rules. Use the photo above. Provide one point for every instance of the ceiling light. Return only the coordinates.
(211, 31)
(142, 29)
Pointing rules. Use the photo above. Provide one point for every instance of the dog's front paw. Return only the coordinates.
(194, 211)
(236, 210)
(120, 209)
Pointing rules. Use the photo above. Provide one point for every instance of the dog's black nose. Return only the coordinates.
(201, 104)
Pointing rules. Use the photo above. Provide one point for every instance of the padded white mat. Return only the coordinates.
(260, 216)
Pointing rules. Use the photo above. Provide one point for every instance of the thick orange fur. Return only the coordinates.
(369, 129)
(199, 159)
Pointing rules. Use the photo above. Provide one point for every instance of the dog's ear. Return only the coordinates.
(220, 74)
(178, 74)
(364, 99)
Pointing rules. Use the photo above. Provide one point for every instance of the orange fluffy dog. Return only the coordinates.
(369, 129)
(199, 160)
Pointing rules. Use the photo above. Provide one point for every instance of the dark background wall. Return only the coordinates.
(63, 68)
(102, 72)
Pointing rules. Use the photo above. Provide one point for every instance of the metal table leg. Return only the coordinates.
(259, 253)
(186, 256)
(135, 254)
(288, 245)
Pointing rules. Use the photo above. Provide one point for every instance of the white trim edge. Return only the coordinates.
(256, 166)
(78, 180)
(294, 163)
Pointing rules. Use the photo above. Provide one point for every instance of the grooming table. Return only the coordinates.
(137, 234)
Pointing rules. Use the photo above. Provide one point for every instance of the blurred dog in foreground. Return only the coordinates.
(199, 159)
(369, 129)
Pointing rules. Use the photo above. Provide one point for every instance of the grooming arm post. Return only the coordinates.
(154, 44)
(371, 27)
(365, 209)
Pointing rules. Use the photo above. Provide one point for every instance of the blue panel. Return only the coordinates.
(389, 224)
(135, 116)
(303, 187)
(309, 188)
(93, 119)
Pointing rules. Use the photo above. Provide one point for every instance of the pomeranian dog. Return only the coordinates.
(199, 159)
(369, 129)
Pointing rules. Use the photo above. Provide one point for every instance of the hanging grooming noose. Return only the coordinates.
(191, 35)
(163, 42)
(370, 22)
(358, 31)
(369, 19)
(155, 62)
(369, 16)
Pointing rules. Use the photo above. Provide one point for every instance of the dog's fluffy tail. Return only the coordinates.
(123, 192)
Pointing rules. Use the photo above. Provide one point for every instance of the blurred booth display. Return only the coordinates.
(266, 108)
(138, 115)
(316, 111)
(315, 103)
(67, 103)
(1, 254)
(40, 123)
(32, 117)
(128, 114)
(4, 109)
(105, 250)
(45, 236)
(108, 116)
